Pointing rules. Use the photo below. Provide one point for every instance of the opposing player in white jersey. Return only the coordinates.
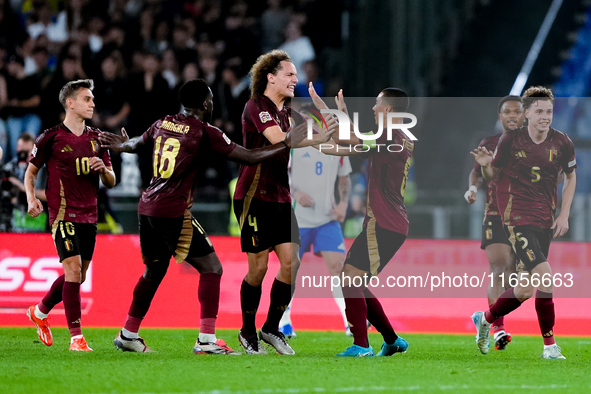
(313, 178)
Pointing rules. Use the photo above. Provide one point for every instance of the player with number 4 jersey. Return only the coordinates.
(167, 228)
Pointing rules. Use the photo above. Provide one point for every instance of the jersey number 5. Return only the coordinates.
(534, 171)
(164, 165)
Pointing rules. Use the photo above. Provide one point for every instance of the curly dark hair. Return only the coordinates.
(269, 62)
(535, 93)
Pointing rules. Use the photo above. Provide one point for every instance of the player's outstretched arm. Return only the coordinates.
(484, 157)
(34, 204)
(120, 143)
(254, 156)
(251, 157)
(568, 192)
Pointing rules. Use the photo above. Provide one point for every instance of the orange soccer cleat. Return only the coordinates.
(79, 344)
(42, 326)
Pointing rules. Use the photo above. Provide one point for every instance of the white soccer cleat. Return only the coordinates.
(277, 340)
(482, 332)
(502, 339)
(219, 347)
(136, 345)
(251, 344)
(553, 352)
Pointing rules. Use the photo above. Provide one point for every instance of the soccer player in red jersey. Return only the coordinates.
(75, 162)
(167, 227)
(494, 240)
(531, 159)
(262, 200)
(385, 227)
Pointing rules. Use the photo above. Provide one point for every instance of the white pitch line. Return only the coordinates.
(378, 389)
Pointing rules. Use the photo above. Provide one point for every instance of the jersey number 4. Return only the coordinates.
(165, 156)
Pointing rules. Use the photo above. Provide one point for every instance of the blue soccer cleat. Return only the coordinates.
(399, 346)
(357, 351)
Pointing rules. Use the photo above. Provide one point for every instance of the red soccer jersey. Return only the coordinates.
(266, 181)
(177, 141)
(71, 185)
(526, 190)
(387, 173)
(491, 208)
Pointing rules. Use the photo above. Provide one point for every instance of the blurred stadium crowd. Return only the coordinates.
(139, 53)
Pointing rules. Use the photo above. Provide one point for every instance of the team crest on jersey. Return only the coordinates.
(95, 145)
(265, 117)
(68, 244)
(552, 154)
(530, 255)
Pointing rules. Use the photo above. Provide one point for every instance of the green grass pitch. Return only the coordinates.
(434, 363)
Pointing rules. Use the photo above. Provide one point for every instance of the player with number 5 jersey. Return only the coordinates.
(530, 161)
(167, 228)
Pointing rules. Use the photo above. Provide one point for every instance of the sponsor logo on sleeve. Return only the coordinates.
(34, 151)
(265, 117)
(572, 163)
(226, 138)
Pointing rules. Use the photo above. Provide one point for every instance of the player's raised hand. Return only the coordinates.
(113, 141)
(561, 226)
(97, 164)
(318, 102)
(340, 101)
(304, 199)
(34, 207)
(482, 156)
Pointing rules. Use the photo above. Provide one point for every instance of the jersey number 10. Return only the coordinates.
(82, 165)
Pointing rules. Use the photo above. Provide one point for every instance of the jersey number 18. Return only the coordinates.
(164, 165)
